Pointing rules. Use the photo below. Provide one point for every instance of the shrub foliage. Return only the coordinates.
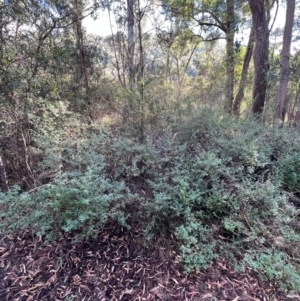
(222, 187)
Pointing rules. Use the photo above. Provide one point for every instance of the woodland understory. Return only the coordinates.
(156, 163)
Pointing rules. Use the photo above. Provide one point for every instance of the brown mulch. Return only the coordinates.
(114, 267)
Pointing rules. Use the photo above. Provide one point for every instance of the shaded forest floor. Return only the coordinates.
(117, 266)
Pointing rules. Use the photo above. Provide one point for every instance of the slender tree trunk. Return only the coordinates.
(167, 70)
(261, 54)
(115, 49)
(1, 30)
(131, 42)
(123, 58)
(240, 94)
(80, 44)
(230, 55)
(3, 176)
(285, 60)
(177, 77)
(141, 74)
(188, 62)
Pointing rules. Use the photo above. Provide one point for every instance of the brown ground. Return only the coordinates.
(113, 267)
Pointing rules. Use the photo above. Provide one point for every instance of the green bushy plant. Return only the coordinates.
(221, 186)
(198, 246)
(221, 180)
(78, 200)
(289, 171)
(274, 265)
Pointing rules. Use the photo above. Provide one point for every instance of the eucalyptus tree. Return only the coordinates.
(131, 41)
(285, 59)
(123, 42)
(78, 10)
(236, 107)
(260, 11)
(1, 27)
(4, 185)
(217, 20)
(180, 47)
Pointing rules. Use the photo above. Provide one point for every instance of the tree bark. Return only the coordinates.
(261, 54)
(229, 54)
(141, 74)
(123, 83)
(240, 94)
(131, 42)
(3, 176)
(1, 30)
(80, 44)
(285, 60)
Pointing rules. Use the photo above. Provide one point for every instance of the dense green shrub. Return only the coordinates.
(274, 266)
(289, 171)
(222, 187)
(77, 200)
(225, 179)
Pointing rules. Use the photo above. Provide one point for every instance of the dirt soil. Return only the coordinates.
(115, 266)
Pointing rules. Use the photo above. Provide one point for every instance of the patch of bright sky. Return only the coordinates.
(101, 25)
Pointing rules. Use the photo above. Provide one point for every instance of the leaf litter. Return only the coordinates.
(118, 267)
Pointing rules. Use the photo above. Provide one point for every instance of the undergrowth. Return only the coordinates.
(222, 187)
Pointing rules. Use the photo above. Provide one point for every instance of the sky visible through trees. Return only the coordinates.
(100, 26)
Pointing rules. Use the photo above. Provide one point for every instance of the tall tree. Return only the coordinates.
(285, 60)
(119, 58)
(141, 71)
(1, 29)
(78, 13)
(261, 53)
(3, 176)
(131, 42)
(217, 20)
(230, 62)
(240, 94)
